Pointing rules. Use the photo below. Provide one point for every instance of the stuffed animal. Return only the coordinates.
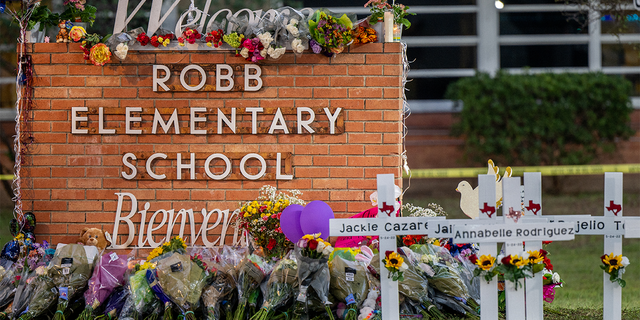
(63, 34)
(94, 237)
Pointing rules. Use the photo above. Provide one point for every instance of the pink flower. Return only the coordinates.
(265, 218)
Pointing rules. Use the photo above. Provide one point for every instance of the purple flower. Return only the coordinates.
(315, 46)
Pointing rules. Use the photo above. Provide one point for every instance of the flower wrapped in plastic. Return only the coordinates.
(415, 286)
(107, 275)
(331, 33)
(280, 288)
(141, 300)
(442, 271)
(349, 283)
(223, 287)
(182, 280)
(296, 29)
(250, 274)
(70, 270)
(44, 296)
(237, 32)
(114, 304)
(154, 284)
(312, 254)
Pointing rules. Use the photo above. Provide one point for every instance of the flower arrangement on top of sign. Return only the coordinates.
(261, 219)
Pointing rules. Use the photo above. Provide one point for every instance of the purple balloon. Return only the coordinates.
(315, 218)
(290, 222)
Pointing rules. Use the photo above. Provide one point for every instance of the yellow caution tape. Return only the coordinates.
(517, 171)
(6, 177)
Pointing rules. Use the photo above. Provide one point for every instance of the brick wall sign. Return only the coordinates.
(169, 142)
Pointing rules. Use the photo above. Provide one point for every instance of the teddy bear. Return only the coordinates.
(63, 34)
(94, 237)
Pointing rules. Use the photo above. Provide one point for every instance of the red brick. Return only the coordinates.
(313, 172)
(84, 70)
(392, 70)
(141, 58)
(352, 172)
(330, 138)
(295, 70)
(309, 58)
(392, 93)
(277, 82)
(391, 47)
(66, 58)
(384, 58)
(118, 70)
(103, 82)
(85, 93)
(207, 58)
(383, 149)
(120, 92)
(349, 81)
(383, 127)
(366, 48)
(354, 115)
(383, 82)
(40, 93)
(334, 161)
(329, 70)
(329, 92)
(384, 104)
(312, 81)
(330, 183)
(365, 70)
(262, 93)
(68, 194)
(40, 58)
(348, 59)
(346, 149)
(295, 92)
(50, 47)
(346, 195)
(67, 81)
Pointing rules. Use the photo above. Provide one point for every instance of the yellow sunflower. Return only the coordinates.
(394, 261)
(486, 262)
(614, 262)
(517, 261)
(535, 257)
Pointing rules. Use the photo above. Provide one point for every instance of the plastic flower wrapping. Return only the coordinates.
(70, 271)
(141, 301)
(312, 254)
(261, 219)
(330, 33)
(251, 271)
(349, 283)
(221, 291)
(550, 281)
(107, 276)
(280, 288)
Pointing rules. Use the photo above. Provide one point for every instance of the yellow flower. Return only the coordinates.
(209, 44)
(436, 242)
(165, 42)
(535, 257)
(485, 262)
(518, 261)
(394, 261)
(99, 54)
(155, 253)
(181, 44)
(614, 262)
(77, 33)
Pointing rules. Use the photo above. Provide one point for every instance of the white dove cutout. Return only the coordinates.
(469, 195)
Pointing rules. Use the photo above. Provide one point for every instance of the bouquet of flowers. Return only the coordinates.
(296, 29)
(279, 288)
(414, 286)
(444, 274)
(141, 300)
(214, 38)
(261, 218)
(182, 280)
(378, 7)
(163, 40)
(115, 303)
(330, 33)
(550, 280)
(107, 275)
(70, 270)
(312, 253)
(614, 266)
(240, 30)
(250, 275)
(513, 268)
(78, 9)
(223, 287)
(44, 295)
(349, 281)
(190, 36)
(486, 267)
(152, 279)
(253, 49)
(364, 35)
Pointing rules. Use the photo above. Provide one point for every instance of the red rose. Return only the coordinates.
(473, 258)
(547, 264)
(506, 260)
(143, 38)
(543, 252)
(272, 243)
(546, 242)
(313, 244)
(154, 41)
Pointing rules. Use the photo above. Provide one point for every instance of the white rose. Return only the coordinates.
(555, 278)
(244, 53)
(321, 246)
(327, 250)
(121, 51)
(263, 53)
(625, 261)
(293, 30)
(293, 21)
(265, 39)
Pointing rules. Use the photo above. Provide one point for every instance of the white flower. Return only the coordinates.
(327, 250)
(263, 53)
(373, 295)
(276, 53)
(244, 53)
(293, 30)
(265, 39)
(293, 21)
(625, 261)
(41, 270)
(121, 51)
(321, 246)
(297, 46)
(555, 278)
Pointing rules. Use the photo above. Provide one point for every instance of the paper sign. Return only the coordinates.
(513, 232)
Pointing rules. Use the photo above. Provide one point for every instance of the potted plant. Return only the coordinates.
(78, 11)
(41, 19)
(378, 8)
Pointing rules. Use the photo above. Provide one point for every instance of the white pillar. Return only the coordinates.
(487, 19)
(595, 45)
(612, 292)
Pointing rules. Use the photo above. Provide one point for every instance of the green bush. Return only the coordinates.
(541, 119)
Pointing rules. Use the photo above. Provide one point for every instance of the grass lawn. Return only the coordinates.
(578, 261)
